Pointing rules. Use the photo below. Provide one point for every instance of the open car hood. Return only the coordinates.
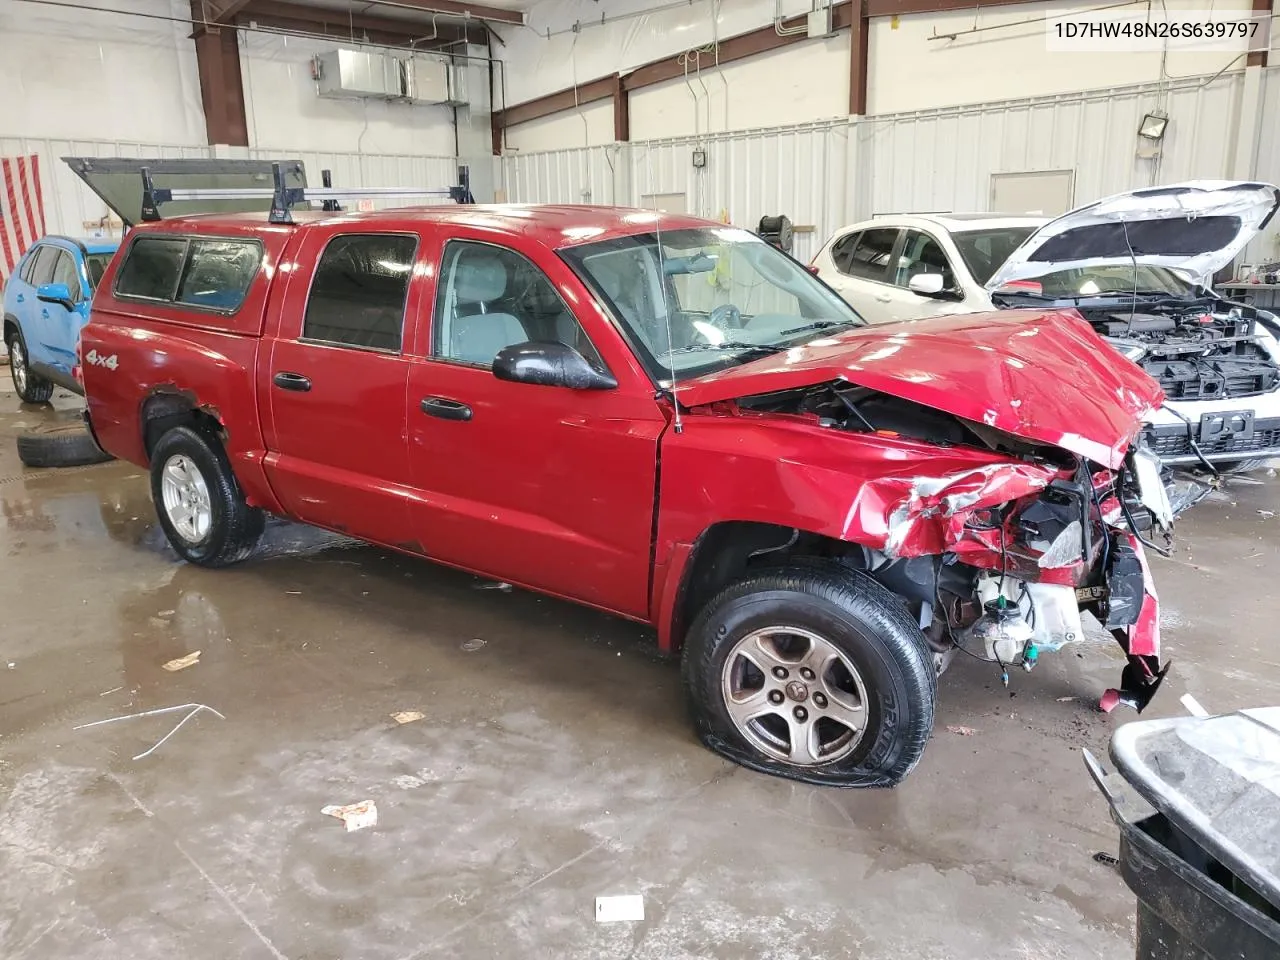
(118, 182)
(1042, 375)
(1197, 227)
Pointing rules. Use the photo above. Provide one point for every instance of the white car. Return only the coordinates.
(1137, 266)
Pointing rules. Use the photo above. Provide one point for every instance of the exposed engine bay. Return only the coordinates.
(1200, 349)
(999, 562)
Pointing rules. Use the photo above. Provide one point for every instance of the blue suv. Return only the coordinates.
(46, 302)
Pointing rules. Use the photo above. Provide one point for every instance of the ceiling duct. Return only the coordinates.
(417, 78)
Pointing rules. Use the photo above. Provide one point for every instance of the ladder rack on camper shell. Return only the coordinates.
(283, 196)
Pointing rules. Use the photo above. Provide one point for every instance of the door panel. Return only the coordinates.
(336, 423)
(544, 486)
(29, 309)
(863, 271)
(59, 328)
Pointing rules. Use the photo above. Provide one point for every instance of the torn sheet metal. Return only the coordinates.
(920, 516)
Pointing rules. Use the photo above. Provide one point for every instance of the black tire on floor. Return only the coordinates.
(866, 623)
(235, 527)
(60, 445)
(33, 389)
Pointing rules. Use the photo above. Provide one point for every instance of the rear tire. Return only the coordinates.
(29, 387)
(862, 719)
(60, 445)
(199, 503)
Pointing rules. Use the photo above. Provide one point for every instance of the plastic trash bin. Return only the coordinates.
(1197, 800)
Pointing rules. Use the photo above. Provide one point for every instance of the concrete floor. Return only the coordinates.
(554, 763)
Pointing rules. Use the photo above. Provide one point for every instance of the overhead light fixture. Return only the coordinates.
(1153, 127)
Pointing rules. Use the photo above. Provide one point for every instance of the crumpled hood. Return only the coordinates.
(1197, 227)
(1042, 375)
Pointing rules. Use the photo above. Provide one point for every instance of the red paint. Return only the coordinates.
(591, 495)
(1042, 375)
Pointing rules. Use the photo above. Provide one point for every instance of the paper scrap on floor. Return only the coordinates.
(356, 816)
(613, 909)
(181, 663)
(407, 716)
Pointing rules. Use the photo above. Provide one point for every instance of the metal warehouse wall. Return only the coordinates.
(70, 206)
(834, 172)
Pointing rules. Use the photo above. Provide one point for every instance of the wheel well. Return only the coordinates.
(727, 551)
(164, 411)
(10, 326)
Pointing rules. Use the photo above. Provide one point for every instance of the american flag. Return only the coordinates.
(21, 209)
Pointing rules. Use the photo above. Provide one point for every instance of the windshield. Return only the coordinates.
(725, 295)
(1109, 280)
(983, 251)
(96, 264)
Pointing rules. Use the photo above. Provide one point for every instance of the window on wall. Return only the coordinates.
(870, 258)
(489, 297)
(358, 295)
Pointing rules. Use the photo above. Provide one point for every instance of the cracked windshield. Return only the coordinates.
(695, 301)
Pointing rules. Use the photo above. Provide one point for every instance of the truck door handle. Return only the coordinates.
(44, 314)
(445, 408)
(884, 298)
(291, 381)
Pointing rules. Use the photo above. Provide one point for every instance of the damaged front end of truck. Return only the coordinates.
(1000, 522)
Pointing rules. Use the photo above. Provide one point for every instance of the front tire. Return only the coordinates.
(199, 503)
(814, 673)
(29, 387)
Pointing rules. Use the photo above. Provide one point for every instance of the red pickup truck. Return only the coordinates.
(657, 416)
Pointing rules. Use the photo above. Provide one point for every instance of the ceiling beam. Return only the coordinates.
(223, 11)
(339, 22)
(859, 32)
(221, 86)
(1261, 8)
(309, 28)
(454, 8)
(568, 99)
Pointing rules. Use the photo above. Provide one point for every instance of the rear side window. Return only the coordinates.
(870, 258)
(218, 273)
(151, 268)
(842, 251)
(212, 274)
(358, 295)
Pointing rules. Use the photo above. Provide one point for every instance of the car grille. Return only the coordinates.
(1210, 380)
(1169, 442)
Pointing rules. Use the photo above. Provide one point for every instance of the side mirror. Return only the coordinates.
(549, 364)
(55, 293)
(927, 284)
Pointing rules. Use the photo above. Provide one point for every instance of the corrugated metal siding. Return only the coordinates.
(1269, 140)
(826, 174)
(69, 204)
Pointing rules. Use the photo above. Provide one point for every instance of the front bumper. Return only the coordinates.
(1224, 430)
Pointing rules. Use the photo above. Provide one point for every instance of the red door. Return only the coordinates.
(334, 384)
(547, 487)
